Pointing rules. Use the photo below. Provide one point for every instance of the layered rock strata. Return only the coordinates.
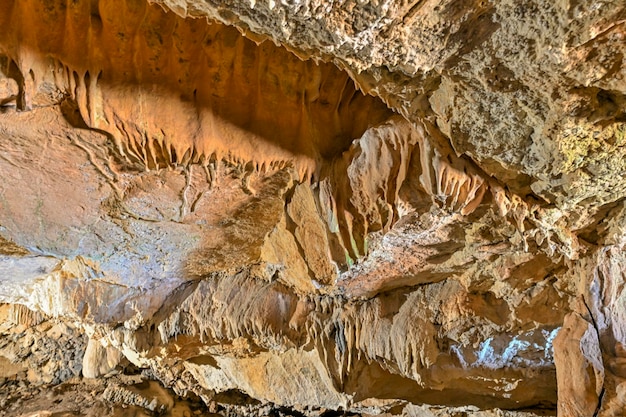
(309, 208)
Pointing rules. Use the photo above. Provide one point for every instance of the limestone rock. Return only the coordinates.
(99, 360)
(580, 371)
(385, 207)
(48, 352)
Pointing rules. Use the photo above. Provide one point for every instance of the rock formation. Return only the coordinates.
(313, 208)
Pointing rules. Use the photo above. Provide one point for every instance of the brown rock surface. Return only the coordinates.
(580, 371)
(307, 208)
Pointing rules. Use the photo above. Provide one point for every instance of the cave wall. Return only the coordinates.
(390, 207)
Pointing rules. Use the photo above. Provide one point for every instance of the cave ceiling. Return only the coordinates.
(385, 206)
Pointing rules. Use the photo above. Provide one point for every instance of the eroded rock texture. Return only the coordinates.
(312, 208)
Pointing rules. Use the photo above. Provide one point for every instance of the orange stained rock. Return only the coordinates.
(176, 91)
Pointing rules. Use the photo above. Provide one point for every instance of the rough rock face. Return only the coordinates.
(313, 207)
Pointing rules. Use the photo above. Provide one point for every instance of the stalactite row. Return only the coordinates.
(239, 307)
(543, 226)
(155, 150)
(450, 180)
(458, 185)
(391, 335)
(172, 91)
(343, 335)
(23, 316)
(349, 336)
(358, 192)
